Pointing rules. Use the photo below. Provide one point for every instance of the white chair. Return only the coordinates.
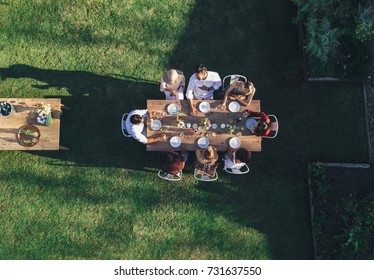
(123, 126)
(170, 177)
(230, 79)
(237, 171)
(203, 175)
(274, 126)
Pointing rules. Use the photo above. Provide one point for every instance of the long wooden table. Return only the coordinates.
(189, 136)
(25, 113)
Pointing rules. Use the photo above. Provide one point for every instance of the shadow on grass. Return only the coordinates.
(91, 129)
(254, 38)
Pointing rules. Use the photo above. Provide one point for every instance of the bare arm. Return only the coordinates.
(192, 108)
(154, 139)
(227, 93)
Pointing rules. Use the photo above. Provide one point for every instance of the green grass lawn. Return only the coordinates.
(102, 199)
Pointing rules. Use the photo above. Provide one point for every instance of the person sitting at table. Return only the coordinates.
(263, 127)
(172, 84)
(202, 85)
(135, 124)
(235, 159)
(207, 159)
(172, 162)
(240, 91)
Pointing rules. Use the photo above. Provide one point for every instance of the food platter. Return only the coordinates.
(234, 142)
(203, 142)
(250, 123)
(175, 141)
(204, 107)
(28, 135)
(234, 106)
(172, 109)
(156, 124)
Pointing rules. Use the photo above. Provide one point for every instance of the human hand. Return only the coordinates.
(162, 136)
(193, 112)
(222, 106)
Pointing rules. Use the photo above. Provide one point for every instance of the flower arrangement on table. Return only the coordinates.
(180, 123)
(233, 127)
(205, 123)
(44, 114)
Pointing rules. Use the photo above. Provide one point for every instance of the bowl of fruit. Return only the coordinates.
(28, 135)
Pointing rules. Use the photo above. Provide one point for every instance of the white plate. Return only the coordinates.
(234, 142)
(250, 123)
(203, 142)
(223, 126)
(172, 109)
(234, 106)
(175, 141)
(214, 126)
(204, 107)
(194, 126)
(188, 125)
(156, 125)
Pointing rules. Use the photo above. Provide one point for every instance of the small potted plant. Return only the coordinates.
(44, 114)
(5, 108)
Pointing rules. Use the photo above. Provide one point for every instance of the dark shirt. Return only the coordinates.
(173, 168)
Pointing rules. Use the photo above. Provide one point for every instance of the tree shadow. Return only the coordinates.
(91, 128)
(254, 38)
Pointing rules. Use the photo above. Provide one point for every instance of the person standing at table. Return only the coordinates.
(202, 85)
(240, 91)
(135, 124)
(172, 84)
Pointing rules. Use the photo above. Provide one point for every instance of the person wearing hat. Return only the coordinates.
(172, 84)
(201, 85)
(207, 159)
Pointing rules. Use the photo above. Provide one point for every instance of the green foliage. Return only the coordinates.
(336, 29)
(343, 230)
(357, 223)
(319, 182)
(322, 40)
(364, 32)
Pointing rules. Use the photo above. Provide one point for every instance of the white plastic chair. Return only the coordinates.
(274, 126)
(230, 79)
(123, 126)
(170, 177)
(237, 171)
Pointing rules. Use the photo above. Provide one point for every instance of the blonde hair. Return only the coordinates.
(208, 153)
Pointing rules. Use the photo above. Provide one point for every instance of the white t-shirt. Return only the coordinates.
(193, 89)
(137, 131)
(231, 163)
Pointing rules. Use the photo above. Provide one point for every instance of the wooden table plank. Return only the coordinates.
(189, 137)
(25, 113)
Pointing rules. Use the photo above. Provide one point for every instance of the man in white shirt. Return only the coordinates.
(201, 85)
(135, 126)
